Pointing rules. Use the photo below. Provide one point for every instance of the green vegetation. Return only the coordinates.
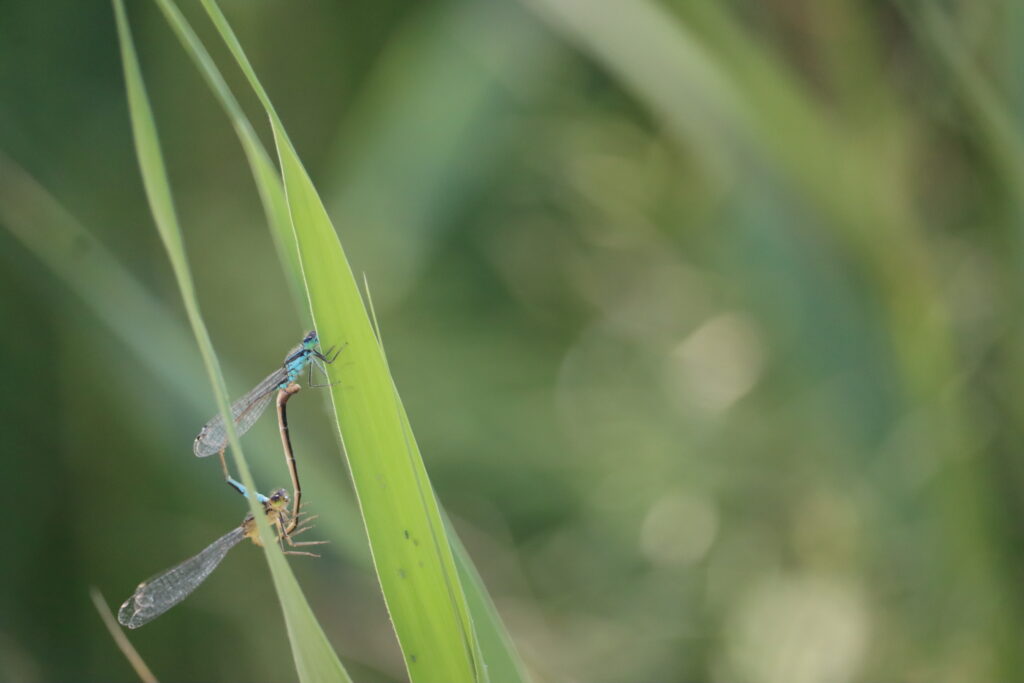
(704, 317)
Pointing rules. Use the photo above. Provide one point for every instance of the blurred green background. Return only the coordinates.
(706, 315)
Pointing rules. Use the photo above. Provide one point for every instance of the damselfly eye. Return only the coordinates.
(310, 339)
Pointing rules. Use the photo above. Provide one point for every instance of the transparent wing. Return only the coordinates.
(213, 438)
(154, 597)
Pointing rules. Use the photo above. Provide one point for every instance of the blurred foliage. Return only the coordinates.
(705, 316)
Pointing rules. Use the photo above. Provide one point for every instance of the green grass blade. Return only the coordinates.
(314, 658)
(269, 183)
(504, 652)
(407, 537)
(410, 548)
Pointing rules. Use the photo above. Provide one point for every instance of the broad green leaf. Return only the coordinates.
(314, 658)
(410, 548)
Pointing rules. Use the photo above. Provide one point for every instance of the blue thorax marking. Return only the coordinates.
(296, 360)
(295, 365)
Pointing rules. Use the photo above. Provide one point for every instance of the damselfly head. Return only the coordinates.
(310, 340)
(278, 500)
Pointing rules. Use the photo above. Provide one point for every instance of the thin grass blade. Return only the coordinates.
(120, 639)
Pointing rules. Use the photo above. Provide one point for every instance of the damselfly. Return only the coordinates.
(162, 592)
(245, 411)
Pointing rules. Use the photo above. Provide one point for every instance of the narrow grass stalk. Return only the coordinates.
(120, 639)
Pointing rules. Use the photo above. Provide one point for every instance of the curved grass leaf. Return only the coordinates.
(409, 544)
(500, 654)
(410, 548)
(314, 658)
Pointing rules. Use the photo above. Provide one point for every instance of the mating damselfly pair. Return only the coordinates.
(158, 594)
